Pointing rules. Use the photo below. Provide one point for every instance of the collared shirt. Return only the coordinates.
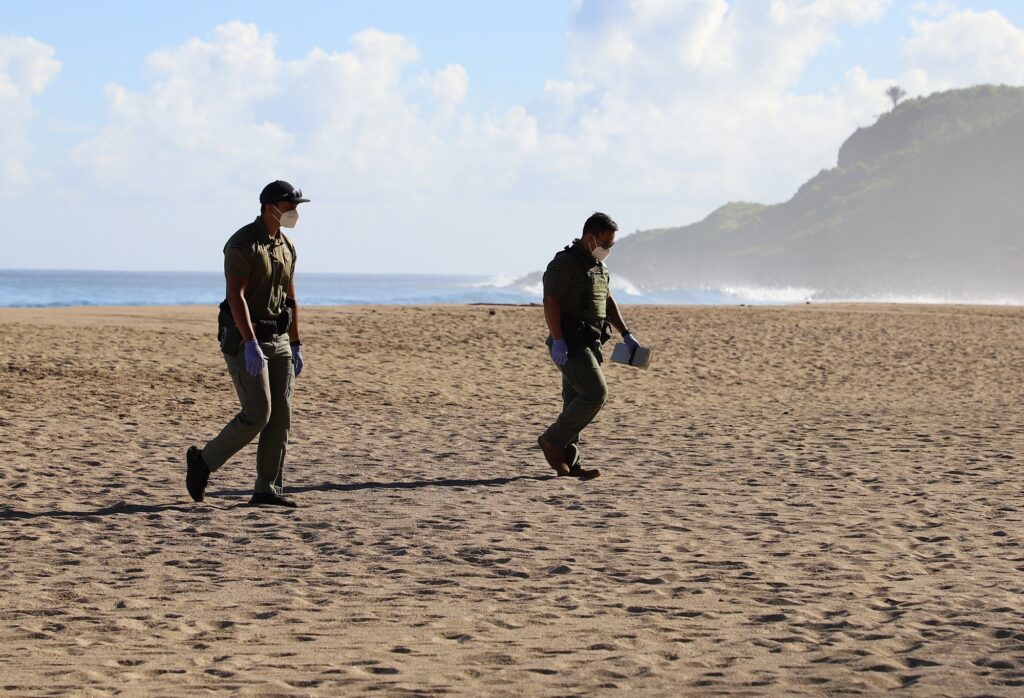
(268, 264)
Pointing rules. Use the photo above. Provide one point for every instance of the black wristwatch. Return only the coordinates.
(297, 343)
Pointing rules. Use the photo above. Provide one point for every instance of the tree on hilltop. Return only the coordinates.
(895, 93)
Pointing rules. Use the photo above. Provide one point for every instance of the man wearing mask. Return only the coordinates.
(578, 308)
(259, 337)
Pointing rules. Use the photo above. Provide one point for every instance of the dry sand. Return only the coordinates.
(794, 501)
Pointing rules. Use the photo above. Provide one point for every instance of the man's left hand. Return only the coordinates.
(630, 339)
(297, 358)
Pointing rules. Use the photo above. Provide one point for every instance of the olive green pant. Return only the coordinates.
(266, 402)
(584, 393)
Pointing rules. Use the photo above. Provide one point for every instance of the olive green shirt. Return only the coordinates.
(268, 264)
(580, 283)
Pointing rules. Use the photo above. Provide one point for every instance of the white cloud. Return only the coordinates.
(223, 109)
(665, 110)
(697, 101)
(26, 68)
(196, 127)
(954, 49)
(372, 144)
(450, 86)
(828, 10)
(668, 110)
(966, 48)
(935, 8)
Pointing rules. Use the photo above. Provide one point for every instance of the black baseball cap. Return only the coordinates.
(280, 190)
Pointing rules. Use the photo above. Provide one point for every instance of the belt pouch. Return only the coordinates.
(580, 335)
(231, 340)
(228, 334)
(224, 319)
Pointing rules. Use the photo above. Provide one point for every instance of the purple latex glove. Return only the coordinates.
(630, 341)
(559, 352)
(254, 359)
(297, 358)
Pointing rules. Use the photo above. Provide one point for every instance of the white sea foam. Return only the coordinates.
(508, 283)
(931, 299)
(621, 283)
(756, 294)
(497, 281)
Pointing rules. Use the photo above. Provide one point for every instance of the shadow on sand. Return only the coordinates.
(113, 509)
(408, 485)
(125, 508)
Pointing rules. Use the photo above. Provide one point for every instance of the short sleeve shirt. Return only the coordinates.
(268, 265)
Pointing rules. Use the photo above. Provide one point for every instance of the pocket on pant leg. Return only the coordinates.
(281, 379)
(236, 380)
(589, 381)
(282, 373)
(289, 388)
(573, 371)
(253, 395)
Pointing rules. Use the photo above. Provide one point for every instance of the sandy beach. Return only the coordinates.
(794, 501)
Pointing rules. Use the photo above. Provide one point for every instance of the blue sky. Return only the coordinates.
(448, 137)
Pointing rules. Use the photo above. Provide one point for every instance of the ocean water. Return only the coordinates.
(73, 288)
(70, 288)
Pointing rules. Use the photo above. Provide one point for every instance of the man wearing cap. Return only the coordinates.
(259, 337)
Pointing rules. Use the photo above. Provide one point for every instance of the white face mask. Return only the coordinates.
(288, 219)
(600, 253)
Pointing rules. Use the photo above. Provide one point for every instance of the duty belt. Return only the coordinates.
(264, 329)
(584, 334)
(267, 330)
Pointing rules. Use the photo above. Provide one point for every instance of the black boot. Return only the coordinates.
(197, 475)
(576, 469)
(584, 473)
(270, 499)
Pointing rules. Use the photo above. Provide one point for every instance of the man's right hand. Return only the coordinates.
(559, 352)
(254, 359)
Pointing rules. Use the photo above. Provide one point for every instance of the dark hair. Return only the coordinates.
(263, 207)
(599, 224)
